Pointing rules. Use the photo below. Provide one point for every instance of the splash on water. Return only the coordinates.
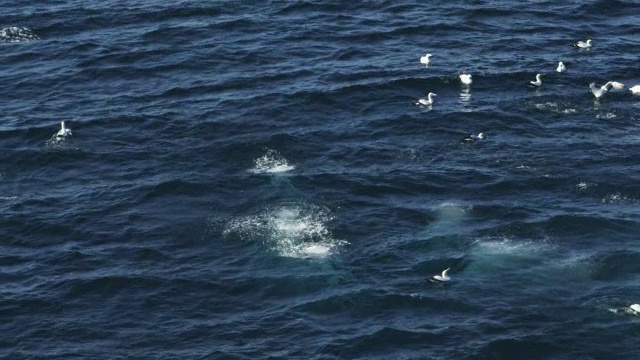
(492, 254)
(606, 116)
(271, 162)
(617, 198)
(556, 108)
(17, 34)
(448, 217)
(291, 230)
(509, 247)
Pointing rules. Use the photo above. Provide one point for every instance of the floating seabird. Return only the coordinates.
(612, 85)
(616, 85)
(425, 59)
(472, 137)
(538, 81)
(441, 278)
(635, 90)
(428, 101)
(63, 132)
(561, 67)
(583, 44)
(466, 79)
(598, 92)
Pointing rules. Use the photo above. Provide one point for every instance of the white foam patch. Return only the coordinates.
(606, 116)
(295, 230)
(509, 247)
(55, 141)
(449, 215)
(617, 198)
(493, 255)
(556, 108)
(451, 211)
(271, 162)
(16, 34)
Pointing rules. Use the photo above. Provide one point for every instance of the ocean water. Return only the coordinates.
(252, 180)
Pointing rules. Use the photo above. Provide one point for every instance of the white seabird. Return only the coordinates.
(612, 85)
(635, 90)
(538, 81)
(441, 278)
(63, 132)
(466, 79)
(425, 59)
(473, 137)
(635, 309)
(583, 44)
(616, 85)
(428, 101)
(598, 93)
(561, 67)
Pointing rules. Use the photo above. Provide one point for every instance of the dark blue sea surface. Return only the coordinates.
(252, 180)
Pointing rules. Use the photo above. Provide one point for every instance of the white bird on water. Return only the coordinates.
(598, 93)
(583, 44)
(425, 59)
(612, 85)
(466, 79)
(635, 90)
(441, 278)
(561, 67)
(538, 81)
(63, 132)
(472, 137)
(616, 85)
(428, 101)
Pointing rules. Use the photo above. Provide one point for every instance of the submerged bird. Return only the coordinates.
(635, 90)
(466, 79)
(472, 137)
(441, 278)
(63, 132)
(538, 81)
(425, 59)
(561, 67)
(598, 93)
(428, 101)
(583, 44)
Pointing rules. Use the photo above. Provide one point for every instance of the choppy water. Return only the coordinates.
(252, 180)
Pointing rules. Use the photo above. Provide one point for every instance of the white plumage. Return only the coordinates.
(538, 81)
(63, 132)
(598, 92)
(583, 44)
(442, 278)
(425, 59)
(428, 101)
(466, 79)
